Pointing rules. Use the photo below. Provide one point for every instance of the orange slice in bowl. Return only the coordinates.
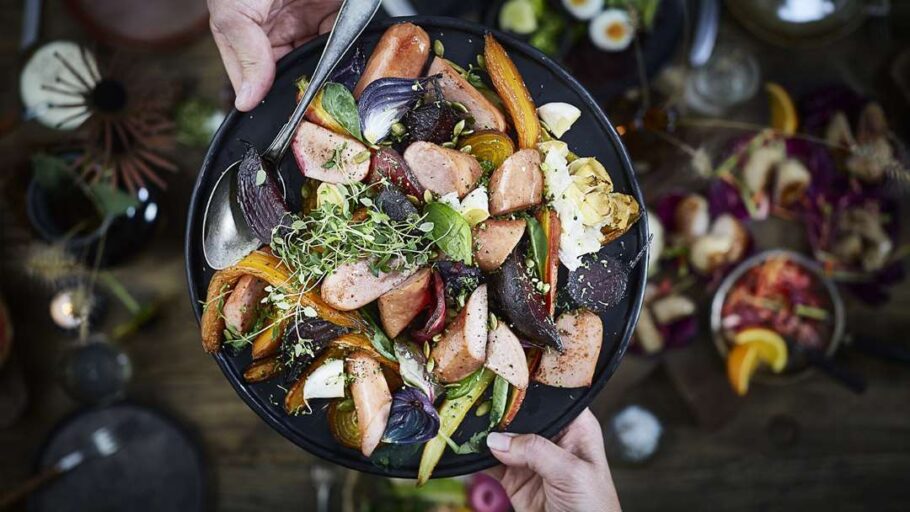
(741, 365)
(771, 347)
(783, 112)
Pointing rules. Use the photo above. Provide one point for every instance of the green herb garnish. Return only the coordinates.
(378, 337)
(473, 445)
(451, 232)
(336, 160)
(338, 101)
(315, 244)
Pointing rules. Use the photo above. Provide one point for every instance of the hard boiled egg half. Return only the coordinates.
(611, 30)
(583, 9)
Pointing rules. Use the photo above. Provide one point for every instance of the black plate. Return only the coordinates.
(546, 410)
(155, 453)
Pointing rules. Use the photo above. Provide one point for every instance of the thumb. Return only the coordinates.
(536, 453)
(253, 53)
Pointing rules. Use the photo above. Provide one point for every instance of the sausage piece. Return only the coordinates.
(398, 307)
(455, 88)
(372, 399)
(505, 357)
(240, 308)
(330, 157)
(401, 52)
(582, 334)
(353, 285)
(442, 170)
(517, 183)
(463, 347)
(494, 240)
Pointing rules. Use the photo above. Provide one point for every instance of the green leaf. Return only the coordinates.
(451, 232)
(112, 202)
(338, 101)
(378, 337)
(50, 171)
(500, 397)
(473, 445)
(464, 386)
(538, 245)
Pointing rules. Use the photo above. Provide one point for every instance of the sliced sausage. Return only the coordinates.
(353, 285)
(494, 240)
(398, 307)
(463, 347)
(517, 183)
(582, 334)
(330, 157)
(240, 308)
(401, 52)
(505, 357)
(455, 88)
(442, 170)
(372, 399)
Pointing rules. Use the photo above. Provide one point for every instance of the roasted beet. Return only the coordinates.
(392, 201)
(524, 307)
(260, 197)
(431, 122)
(460, 279)
(599, 283)
(436, 320)
(387, 163)
(304, 341)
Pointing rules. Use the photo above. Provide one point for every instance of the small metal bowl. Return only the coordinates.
(837, 308)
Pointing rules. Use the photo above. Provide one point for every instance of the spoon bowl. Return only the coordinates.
(225, 231)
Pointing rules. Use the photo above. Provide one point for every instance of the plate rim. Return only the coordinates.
(638, 276)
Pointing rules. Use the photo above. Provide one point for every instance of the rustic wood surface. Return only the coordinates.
(810, 446)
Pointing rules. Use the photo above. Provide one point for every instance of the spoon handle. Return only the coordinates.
(853, 381)
(353, 17)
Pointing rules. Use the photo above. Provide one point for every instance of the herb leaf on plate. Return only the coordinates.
(338, 101)
(473, 445)
(450, 231)
(378, 337)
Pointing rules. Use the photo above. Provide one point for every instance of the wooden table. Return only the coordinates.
(812, 446)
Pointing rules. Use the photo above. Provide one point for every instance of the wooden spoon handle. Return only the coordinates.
(26, 488)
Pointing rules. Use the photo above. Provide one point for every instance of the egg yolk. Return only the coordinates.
(615, 31)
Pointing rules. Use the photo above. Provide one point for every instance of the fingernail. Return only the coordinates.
(499, 442)
(244, 93)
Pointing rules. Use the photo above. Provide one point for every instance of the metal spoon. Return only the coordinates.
(819, 359)
(226, 236)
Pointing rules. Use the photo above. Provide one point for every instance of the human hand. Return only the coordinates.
(570, 475)
(252, 34)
